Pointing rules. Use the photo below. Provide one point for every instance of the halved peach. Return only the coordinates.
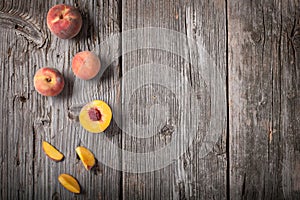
(95, 116)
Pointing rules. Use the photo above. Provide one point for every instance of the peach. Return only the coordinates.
(95, 116)
(69, 182)
(48, 81)
(64, 21)
(52, 152)
(86, 156)
(86, 65)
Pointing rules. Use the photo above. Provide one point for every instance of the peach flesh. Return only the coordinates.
(64, 21)
(86, 65)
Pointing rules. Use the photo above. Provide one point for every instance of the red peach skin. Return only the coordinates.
(86, 65)
(64, 21)
(48, 81)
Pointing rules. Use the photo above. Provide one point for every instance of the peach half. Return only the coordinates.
(48, 81)
(64, 21)
(86, 65)
(95, 116)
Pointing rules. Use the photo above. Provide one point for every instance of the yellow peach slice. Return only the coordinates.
(95, 116)
(69, 182)
(86, 157)
(52, 152)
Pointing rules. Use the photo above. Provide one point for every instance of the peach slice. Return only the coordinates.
(52, 152)
(64, 21)
(95, 116)
(87, 158)
(48, 81)
(69, 182)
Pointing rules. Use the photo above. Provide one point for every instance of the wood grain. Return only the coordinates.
(17, 103)
(30, 118)
(257, 154)
(264, 105)
(192, 176)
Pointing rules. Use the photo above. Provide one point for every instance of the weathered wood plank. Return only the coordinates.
(16, 144)
(192, 176)
(264, 102)
(17, 118)
(29, 118)
(206, 176)
(264, 99)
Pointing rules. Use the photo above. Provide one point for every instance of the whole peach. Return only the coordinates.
(48, 81)
(64, 21)
(86, 65)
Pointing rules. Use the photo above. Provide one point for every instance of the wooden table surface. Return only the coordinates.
(253, 45)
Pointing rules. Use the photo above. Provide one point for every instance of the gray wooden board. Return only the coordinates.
(255, 156)
(29, 118)
(191, 176)
(264, 100)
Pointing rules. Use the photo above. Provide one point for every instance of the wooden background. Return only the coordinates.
(255, 44)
